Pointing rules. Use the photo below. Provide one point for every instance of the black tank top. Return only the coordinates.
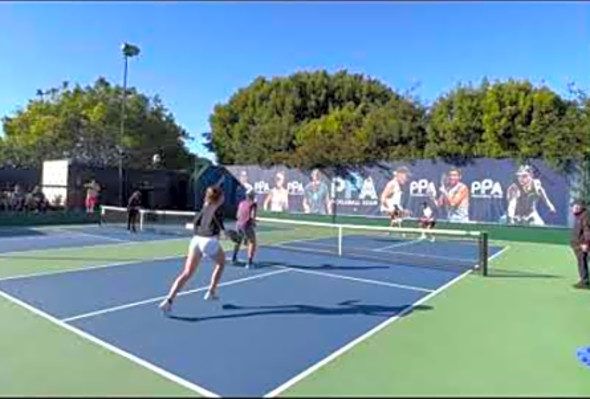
(208, 223)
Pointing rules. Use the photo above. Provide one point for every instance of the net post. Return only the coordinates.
(483, 253)
(141, 219)
(339, 240)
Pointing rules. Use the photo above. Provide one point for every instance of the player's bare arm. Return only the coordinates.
(456, 199)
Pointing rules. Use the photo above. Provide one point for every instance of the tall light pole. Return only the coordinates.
(129, 50)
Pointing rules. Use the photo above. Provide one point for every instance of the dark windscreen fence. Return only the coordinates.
(159, 188)
(27, 178)
(483, 190)
(217, 176)
(165, 222)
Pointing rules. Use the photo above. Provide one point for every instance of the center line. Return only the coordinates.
(361, 280)
(398, 244)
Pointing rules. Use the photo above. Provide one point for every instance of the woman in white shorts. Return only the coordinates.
(208, 224)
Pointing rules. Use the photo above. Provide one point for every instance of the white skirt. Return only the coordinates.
(205, 245)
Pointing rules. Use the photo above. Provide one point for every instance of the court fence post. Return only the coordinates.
(483, 253)
(141, 217)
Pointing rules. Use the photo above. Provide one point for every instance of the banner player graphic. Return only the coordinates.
(277, 199)
(316, 196)
(523, 196)
(454, 196)
(391, 197)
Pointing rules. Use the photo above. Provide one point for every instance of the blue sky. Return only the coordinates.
(197, 54)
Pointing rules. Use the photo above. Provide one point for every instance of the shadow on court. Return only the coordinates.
(503, 273)
(323, 266)
(23, 232)
(344, 308)
(341, 264)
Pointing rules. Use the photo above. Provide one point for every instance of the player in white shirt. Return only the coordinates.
(454, 197)
(392, 193)
(277, 199)
(427, 220)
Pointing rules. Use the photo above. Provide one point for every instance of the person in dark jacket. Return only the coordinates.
(580, 241)
(133, 206)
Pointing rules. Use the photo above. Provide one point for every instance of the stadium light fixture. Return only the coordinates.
(129, 51)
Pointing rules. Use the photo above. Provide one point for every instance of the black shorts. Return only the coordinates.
(248, 233)
(424, 223)
(133, 213)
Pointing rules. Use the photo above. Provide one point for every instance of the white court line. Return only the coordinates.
(91, 246)
(335, 245)
(166, 374)
(399, 244)
(360, 280)
(62, 232)
(378, 257)
(379, 251)
(87, 268)
(36, 237)
(418, 255)
(82, 233)
(302, 249)
(306, 241)
(160, 298)
(288, 384)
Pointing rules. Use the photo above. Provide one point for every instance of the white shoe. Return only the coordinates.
(210, 297)
(166, 305)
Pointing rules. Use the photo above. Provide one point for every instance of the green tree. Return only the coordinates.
(84, 124)
(318, 119)
(334, 140)
(264, 122)
(395, 131)
(519, 119)
(455, 124)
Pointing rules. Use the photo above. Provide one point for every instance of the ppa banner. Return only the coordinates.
(486, 190)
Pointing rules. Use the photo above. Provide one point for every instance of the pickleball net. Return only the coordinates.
(167, 222)
(456, 250)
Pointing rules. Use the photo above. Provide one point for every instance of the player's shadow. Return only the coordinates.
(342, 265)
(351, 307)
(504, 273)
(322, 266)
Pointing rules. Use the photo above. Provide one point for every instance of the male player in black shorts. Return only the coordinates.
(245, 225)
(133, 206)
